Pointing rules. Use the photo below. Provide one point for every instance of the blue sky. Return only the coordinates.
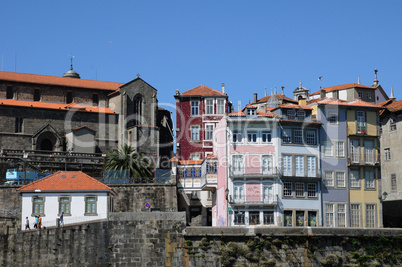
(248, 45)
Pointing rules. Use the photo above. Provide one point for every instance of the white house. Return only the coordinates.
(81, 198)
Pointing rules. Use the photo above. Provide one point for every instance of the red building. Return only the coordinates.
(198, 110)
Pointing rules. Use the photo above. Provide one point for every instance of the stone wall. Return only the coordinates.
(161, 239)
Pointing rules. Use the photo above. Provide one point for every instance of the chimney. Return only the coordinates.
(322, 93)
(335, 94)
(223, 87)
(255, 97)
(375, 77)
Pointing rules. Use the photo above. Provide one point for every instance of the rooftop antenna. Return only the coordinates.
(358, 79)
(71, 60)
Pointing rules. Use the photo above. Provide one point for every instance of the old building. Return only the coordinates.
(69, 117)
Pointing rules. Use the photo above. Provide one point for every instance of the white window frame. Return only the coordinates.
(354, 177)
(220, 106)
(299, 165)
(392, 124)
(369, 178)
(394, 184)
(328, 178)
(268, 137)
(209, 106)
(299, 190)
(312, 190)
(252, 137)
(267, 193)
(238, 193)
(329, 214)
(311, 166)
(355, 215)
(266, 164)
(339, 149)
(287, 136)
(287, 189)
(300, 115)
(369, 151)
(387, 153)
(237, 164)
(328, 148)
(311, 138)
(195, 109)
(354, 146)
(287, 165)
(251, 112)
(333, 118)
(195, 132)
(340, 181)
(341, 214)
(291, 114)
(360, 94)
(298, 136)
(237, 137)
(360, 120)
(209, 130)
(371, 215)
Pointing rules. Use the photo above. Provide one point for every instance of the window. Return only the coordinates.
(69, 97)
(341, 208)
(287, 218)
(237, 137)
(220, 106)
(137, 109)
(192, 172)
(194, 108)
(10, 92)
(237, 164)
(333, 118)
(238, 193)
(339, 149)
(185, 173)
(251, 112)
(312, 190)
(90, 205)
(195, 133)
(361, 122)
(287, 189)
(354, 151)
(301, 115)
(299, 188)
(212, 168)
(299, 164)
(36, 95)
(268, 195)
(209, 129)
(195, 194)
(291, 114)
(252, 137)
(95, 100)
(254, 217)
(387, 153)
(38, 205)
(328, 149)
(370, 215)
(360, 94)
(287, 165)
(287, 136)
(369, 181)
(329, 178)
(392, 125)
(355, 215)
(340, 179)
(18, 125)
(64, 205)
(311, 166)
(298, 135)
(368, 95)
(266, 164)
(393, 182)
(268, 217)
(195, 156)
(299, 218)
(266, 136)
(354, 178)
(368, 151)
(329, 215)
(310, 138)
(239, 218)
(209, 103)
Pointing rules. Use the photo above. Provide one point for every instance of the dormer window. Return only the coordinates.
(360, 95)
(291, 114)
(251, 112)
(301, 115)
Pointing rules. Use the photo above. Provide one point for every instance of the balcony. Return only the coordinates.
(314, 174)
(253, 200)
(254, 172)
(208, 182)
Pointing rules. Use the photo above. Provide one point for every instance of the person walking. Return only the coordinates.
(61, 221)
(27, 224)
(36, 222)
(39, 222)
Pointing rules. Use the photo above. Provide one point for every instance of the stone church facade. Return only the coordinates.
(74, 115)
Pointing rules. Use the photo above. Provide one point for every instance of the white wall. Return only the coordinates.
(51, 208)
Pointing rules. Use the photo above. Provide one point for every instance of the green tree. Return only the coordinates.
(125, 162)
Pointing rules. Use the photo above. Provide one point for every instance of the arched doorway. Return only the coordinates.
(46, 144)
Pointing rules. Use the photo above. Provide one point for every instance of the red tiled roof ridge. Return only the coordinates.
(60, 81)
(288, 105)
(202, 90)
(190, 162)
(278, 96)
(239, 113)
(342, 86)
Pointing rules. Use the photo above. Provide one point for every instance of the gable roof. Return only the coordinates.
(202, 90)
(342, 87)
(392, 105)
(58, 81)
(283, 97)
(350, 103)
(63, 181)
(293, 106)
(58, 106)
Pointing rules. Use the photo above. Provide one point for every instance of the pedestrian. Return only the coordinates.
(39, 222)
(61, 222)
(27, 224)
(36, 222)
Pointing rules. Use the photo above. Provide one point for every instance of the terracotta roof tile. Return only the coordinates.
(280, 97)
(395, 106)
(58, 106)
(211, 156)
(343, 86)
(239, 113)
(65, 181)
(202, 90)
(191, 162)
(293, 106)
(58, 81)
(174, 159)
(266, 114)
(250, 106)
(354, 102)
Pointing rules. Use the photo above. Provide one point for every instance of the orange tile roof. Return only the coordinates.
(174, 159)
(239, 113)
(343, 86)
(202, 90)
(283, 97)
(211, 156)
(58, 106)
(395, 106)
(65, 181)
(266, 114)
(58, 81)
(293, 106)
(354, 102)
(191, 162)
(250, 106)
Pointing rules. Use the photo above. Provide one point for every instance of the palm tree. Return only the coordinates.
(125, 162)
